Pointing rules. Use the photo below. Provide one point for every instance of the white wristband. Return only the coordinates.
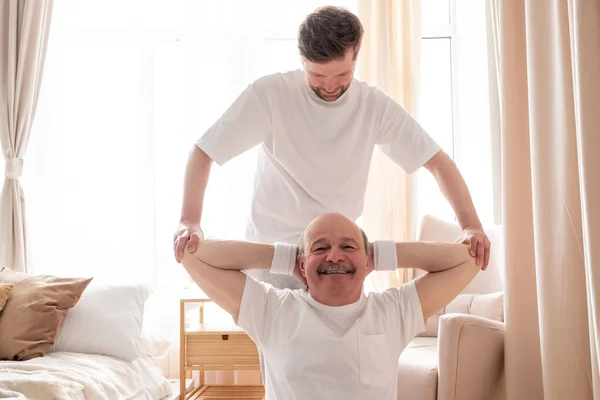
(284, 259)
(384, 255)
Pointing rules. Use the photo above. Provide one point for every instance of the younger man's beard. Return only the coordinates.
(319, 92)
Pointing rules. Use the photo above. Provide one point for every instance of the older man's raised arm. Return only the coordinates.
(216, 267)
(440, 286)
(450, 268)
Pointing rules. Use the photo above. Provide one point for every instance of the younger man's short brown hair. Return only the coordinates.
(327, 33)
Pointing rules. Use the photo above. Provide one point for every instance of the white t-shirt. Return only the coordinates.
(314, 351)
(314, 156)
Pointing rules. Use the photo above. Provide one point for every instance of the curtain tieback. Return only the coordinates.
(13, 168)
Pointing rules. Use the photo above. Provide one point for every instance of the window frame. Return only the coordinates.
(448, 31)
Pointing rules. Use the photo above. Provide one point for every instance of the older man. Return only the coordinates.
(330, 341)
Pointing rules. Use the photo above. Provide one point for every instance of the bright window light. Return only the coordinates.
(130, 86)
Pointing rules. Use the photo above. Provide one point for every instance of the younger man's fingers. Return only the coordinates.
(473, 245)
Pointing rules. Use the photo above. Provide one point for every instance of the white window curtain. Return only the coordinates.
(389, 59)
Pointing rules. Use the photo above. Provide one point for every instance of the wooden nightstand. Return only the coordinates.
(215, 347)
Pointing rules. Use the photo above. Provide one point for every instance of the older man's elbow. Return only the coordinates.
(187, 258)
(194, 267)
(472, 269)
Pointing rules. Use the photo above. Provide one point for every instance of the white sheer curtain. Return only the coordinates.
(389, 59)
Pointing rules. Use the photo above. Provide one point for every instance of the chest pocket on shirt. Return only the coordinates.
(375, 367)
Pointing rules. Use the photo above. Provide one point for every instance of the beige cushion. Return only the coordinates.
(490, 306)
(34, 312)
(5, 291)
(418, 370)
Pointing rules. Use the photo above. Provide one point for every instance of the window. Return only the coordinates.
(454, 102)
(126, 94)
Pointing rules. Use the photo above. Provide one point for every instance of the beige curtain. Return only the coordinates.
(389, 59)
(548, 63)
(24, 27)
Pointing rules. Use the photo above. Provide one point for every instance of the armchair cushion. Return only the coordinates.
(417, 370)
(490, 306)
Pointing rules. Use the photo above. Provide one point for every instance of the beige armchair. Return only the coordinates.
(461, 353)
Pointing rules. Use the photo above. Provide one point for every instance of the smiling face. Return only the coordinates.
(329, 40)
(334, 260)
(330, 80)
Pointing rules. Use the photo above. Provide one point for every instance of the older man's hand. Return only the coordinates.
(479, 245)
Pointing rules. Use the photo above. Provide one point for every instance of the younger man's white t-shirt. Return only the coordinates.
(314, 351)
(313, 155)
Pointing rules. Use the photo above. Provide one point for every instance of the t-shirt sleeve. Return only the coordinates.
(258, 309)
(409, 306)
(401, 137)
(243, 125)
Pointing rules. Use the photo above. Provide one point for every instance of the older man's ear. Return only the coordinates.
(370, 259)
(369, 267)
(299, 271)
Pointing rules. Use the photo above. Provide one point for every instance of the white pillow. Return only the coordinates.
(106, 320)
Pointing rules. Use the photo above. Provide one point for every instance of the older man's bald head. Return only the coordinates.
(331, 222)
(334, 259)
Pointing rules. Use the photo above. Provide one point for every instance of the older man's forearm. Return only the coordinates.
(430, 256)
(437, 289)
(457, 277)
(235, 255)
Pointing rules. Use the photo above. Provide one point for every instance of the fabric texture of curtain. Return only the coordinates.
(389, 59)
(24, 28)
(548, 73)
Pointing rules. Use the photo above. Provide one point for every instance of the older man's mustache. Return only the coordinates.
(335, 268)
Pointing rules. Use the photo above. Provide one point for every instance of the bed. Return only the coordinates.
(74, 376)
(77, 339)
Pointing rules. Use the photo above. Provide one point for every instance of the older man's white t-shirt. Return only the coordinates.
(313, 155)
(314, 351)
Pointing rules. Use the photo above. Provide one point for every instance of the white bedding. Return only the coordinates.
(74, 376)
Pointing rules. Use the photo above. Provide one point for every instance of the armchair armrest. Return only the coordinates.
(471, 357)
